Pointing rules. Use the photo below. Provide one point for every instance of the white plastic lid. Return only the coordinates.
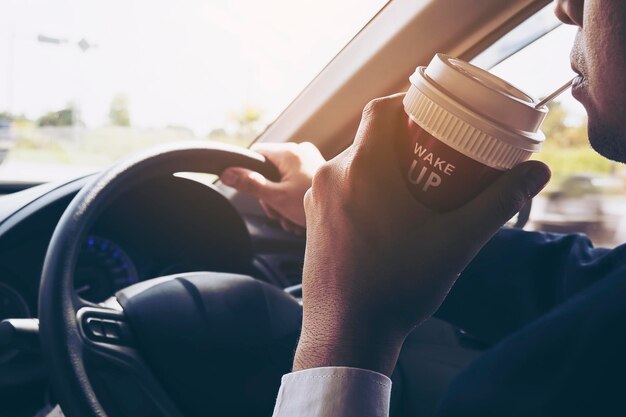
(475, 112)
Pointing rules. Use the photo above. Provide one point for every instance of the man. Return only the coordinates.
(378, 263)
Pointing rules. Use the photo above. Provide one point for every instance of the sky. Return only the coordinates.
(189, 63)
(194, 63)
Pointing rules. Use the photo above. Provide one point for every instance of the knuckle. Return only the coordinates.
(339, 184)
(373, 108)
(308, 196)
(308, 201)
(322, 175)
(324, 182)
(379, 106)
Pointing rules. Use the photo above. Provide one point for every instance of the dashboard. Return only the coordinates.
(103, 268)
(160, 227)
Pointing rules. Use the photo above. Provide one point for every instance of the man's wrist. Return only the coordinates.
(373, 353)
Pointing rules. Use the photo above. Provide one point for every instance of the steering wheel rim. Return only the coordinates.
(60, 332)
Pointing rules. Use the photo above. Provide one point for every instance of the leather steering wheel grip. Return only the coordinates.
(62, 348)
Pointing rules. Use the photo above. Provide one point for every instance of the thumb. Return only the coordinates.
(247, 181)
(502, 200)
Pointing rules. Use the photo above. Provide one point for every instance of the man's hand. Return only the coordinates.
(282, 201)
(378, 262)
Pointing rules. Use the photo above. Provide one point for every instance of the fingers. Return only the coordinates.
(373, 161)
(270, 148)
(279, 154)
(248, 182)
(381, 125)
(290, 227)
(374, 152)
(291, 158)
(286, 224)
(270, 212)
(486, 213)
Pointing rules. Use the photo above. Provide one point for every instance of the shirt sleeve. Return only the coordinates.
(333, 392)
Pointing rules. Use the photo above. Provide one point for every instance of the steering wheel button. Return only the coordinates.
(111, 330)
(95, 327)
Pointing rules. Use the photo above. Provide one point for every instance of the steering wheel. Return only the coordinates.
(190, 344)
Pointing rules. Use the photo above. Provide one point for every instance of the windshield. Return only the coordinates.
(85, 83)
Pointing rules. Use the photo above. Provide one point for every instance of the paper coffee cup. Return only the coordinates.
(466, 128)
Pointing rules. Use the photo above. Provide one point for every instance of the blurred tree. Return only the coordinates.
(218, 133)
(567, 149)
(67, 116)
(575, 137)
(247, 122)
(559, 133)
(554, 124)
(5, 115)
(119, 114)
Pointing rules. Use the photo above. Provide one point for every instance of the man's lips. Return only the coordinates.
(580, 77)
(578, 88)
(578, 81)
(577, 63)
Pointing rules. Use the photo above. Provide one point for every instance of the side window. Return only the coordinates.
(587, 191)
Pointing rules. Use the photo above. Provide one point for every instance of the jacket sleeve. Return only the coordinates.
(519, 276)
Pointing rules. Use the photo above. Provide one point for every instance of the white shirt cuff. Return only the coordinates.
(333, 392)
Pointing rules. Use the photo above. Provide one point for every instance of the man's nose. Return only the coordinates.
(570, 12)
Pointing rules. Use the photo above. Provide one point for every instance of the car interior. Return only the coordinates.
(137, 291)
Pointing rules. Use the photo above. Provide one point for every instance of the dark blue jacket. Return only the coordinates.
(554, 309)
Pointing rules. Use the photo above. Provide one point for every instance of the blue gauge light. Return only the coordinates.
(103, 268)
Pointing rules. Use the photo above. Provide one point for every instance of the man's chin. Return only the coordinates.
(608, 142)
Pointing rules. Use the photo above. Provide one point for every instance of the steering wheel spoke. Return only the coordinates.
(109, 348)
